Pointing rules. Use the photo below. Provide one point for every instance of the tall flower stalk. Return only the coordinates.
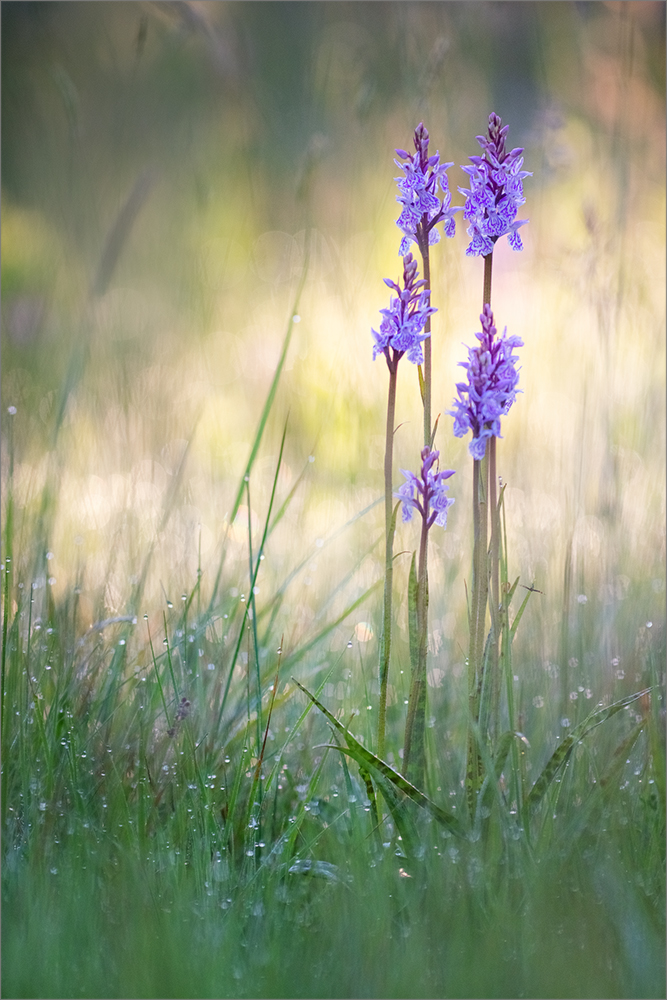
(427, 494)
(402, 331)
(488, 393)
(492, 203)
(422, 211)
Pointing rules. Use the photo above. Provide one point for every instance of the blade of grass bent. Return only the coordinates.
(380, 768)
(561, 754)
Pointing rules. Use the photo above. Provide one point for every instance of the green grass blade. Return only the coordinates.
(383, 772)
(259, 433)
(561, 754)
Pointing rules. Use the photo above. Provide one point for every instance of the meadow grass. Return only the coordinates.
(193, 798)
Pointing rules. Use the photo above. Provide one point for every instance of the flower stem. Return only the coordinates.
(495, 540)
(424, 248)
(414, 749)
(414, 755)
(477, 620)
(488, 268)
(390, 523)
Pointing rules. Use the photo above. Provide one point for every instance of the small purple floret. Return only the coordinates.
(422, 209)
(491, 386)
(495, 193)
(427, 493)
(402, 328)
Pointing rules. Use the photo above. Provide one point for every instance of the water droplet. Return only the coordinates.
(169, 604)
(311, 458)
(582, 599)
(145, 618)
(565, 722)
(184, 597)
(649, 624)
(122, 642)
(295, 319)
(246, 479)
(349, 645)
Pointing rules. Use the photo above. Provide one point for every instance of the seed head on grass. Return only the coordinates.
(426, 493)
(402, 328)
(182, 712)
(495, 193)
(422, 210)
(491, 387)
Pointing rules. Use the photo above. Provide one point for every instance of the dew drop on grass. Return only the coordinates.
(349, 645)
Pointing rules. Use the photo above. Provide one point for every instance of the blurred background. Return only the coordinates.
(164, 167)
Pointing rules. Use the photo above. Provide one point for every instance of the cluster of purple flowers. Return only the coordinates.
(402, 328)
(495, 193)
(491, 386)
(426, 493)
(422, 209)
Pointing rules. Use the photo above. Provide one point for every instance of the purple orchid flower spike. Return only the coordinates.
(426, 493)
(491, 386)
(495, 193)
(422, 210)
(402, 328)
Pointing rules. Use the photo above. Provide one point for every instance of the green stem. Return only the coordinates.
(414, 750)
(427, 351)
(495, 590)
(385, 642)
(488, 269)
(477, 619)
(414, 753)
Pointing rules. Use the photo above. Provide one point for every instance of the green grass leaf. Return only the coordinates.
(383, 772)
(562, 753)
